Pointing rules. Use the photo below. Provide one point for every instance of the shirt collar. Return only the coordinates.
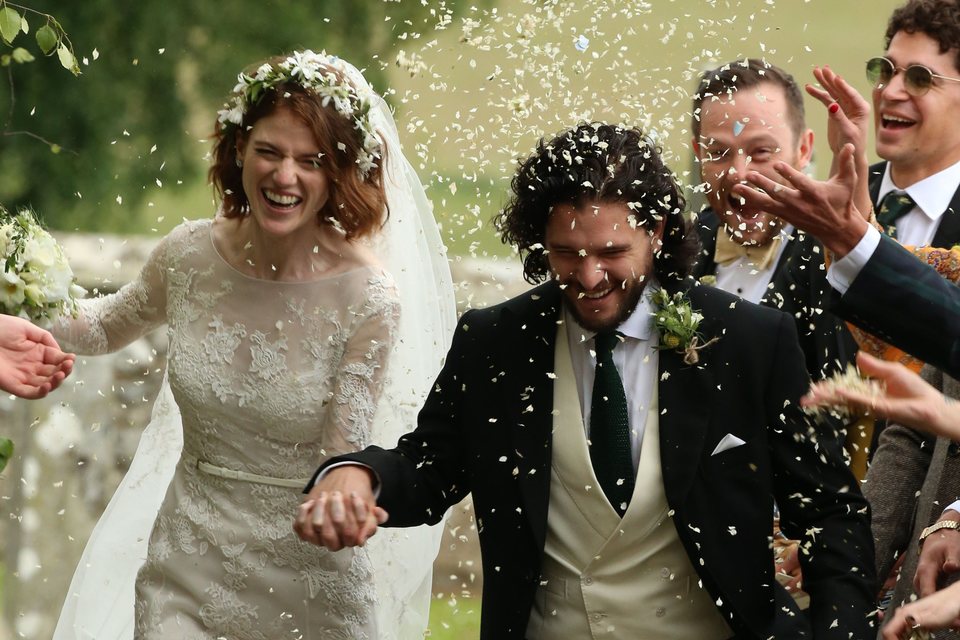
(932, 194)
(638, 325)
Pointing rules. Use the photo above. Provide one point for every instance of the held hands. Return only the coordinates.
(909, 400)
(824, 209)
(31, 362)
(340, 511)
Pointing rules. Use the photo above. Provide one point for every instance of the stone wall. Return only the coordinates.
(74, 446)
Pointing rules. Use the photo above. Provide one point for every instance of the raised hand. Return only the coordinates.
(824, 209)
(340, 511)
(31, 362)
(908, 400)
(848, 121)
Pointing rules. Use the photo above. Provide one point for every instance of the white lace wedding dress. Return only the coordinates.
(270, 378)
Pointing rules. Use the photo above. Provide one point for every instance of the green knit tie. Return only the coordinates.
(609, 428)
(894, 207)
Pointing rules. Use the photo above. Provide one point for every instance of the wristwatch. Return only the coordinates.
(936, 526)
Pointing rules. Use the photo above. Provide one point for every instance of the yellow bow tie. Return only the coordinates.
(728, 250)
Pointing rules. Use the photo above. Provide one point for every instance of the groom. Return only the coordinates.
(623, 488)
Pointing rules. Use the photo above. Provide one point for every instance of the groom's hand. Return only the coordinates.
(340, 511)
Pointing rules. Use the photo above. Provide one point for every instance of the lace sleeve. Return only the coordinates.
(362, 371)
(109, 323)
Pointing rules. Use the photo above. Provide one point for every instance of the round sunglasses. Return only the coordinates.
(917, 79)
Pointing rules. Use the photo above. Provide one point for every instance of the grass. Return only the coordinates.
(454, 619)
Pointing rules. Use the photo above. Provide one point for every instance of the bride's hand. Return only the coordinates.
(340, 511)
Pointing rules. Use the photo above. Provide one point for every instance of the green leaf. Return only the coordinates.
(67, 60)
(24, 25)
(9, 24)
(46, 38)
(55, 148)
(21, 55)
(5, 60)
(6, 452)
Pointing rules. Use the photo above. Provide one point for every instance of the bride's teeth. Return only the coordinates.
(278, 198)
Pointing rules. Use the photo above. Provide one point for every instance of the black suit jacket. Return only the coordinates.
(800, 289)
(948, 230)
(486, 428)
(908, 304)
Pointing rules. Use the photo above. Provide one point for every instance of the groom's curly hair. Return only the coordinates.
(597, 162)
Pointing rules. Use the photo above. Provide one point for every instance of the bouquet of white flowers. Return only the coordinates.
(36, 282)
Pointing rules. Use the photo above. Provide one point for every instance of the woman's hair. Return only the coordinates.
(357, 202)
(596, 162)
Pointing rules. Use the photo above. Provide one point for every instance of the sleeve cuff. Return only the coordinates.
(955, 506)
(376, 477)
(844, 271)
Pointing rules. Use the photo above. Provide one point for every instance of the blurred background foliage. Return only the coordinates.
(153, 74)
(474, 83)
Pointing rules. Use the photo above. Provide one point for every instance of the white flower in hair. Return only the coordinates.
(314, 72)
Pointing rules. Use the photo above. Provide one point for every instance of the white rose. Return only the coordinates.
(11, 290)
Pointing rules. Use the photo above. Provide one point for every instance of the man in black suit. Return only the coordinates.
(749, 113)
(623, 475)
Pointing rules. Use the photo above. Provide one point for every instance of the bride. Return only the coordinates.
(295, 332)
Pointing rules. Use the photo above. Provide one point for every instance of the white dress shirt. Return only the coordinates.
(932, 196)
(635, 358)
(741, 277)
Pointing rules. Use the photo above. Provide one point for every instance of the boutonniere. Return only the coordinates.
(677, 322)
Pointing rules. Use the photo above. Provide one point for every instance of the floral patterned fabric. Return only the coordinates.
(270, 379)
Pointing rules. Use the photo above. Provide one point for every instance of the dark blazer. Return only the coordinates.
(948, 231)
(486, 428)
(908, 304)
(800, 289)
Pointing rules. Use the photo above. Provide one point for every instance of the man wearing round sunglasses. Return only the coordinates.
(916, 98)
(915, 194)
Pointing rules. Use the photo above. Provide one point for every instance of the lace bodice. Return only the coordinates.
(246, 354)
(270, 378)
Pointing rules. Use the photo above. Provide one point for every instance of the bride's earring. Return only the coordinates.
(239, 162)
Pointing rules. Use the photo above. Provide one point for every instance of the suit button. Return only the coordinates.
(665, 573)
(597, 617)
(587, 580)
(661, 612)
(954, 449)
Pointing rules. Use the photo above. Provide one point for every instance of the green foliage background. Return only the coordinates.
(133, 122)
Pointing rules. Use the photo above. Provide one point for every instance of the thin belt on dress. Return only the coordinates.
(243, 476)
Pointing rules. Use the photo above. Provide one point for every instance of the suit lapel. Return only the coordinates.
(686, 402)
(533, 333)
(948, 231)
(876, 177)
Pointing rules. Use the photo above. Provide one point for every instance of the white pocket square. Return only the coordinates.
(728, 441)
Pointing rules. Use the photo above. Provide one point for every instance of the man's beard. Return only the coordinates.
(632, 292)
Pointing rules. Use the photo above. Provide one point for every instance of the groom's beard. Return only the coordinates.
(610, 311)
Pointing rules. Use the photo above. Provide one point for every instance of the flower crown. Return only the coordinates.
(314, 72)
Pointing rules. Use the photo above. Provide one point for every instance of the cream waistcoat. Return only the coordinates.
(604, 577)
